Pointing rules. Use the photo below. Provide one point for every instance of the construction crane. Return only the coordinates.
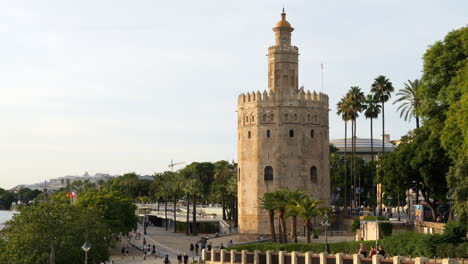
(172, 164)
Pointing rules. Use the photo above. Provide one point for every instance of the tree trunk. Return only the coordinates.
(194, 217)
(165, 213)
(373, 165)
(345, 165)
(224, 207)
(383, 152)
(175, 214)
(188, 214)
(271, 214)
(294, 228)
(283, 224)
(308, 228)
(280, 230)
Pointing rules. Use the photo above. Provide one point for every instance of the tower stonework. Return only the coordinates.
(282, 136)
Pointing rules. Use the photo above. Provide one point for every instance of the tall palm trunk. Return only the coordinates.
(283, 227)
(165, 213)
(280, 230)
(372, 159)
(308, 228)
(345, 165)
(188, 215)
(352, 168)
(175, 214)
(383, 152)
(294, 228)
(194, 217)
(271, 214)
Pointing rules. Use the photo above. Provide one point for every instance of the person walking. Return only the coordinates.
(222, 246)
(209, 246)
(196, 249)
(191, 248)
(166, 260)
(185, 258)
(179, 258)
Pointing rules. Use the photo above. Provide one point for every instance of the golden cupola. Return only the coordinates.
(283, 23)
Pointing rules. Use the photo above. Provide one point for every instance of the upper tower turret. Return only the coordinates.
(283, 31)
(283, 60)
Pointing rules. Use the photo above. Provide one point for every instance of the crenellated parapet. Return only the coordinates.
(283, 49)
(271, 96)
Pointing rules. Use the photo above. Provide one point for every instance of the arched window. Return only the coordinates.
(286, 117)
(308, 117)
(249, 135)
(315, 118)
(295, 117)
(272, 117)
(291, 133)
(312, 133)
(313, 174)
(253, 119)
(264, 118)
(246, 119)
(268, 173)
(268, 133)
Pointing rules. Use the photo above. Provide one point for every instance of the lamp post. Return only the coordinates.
(326, 223)
(86, 247)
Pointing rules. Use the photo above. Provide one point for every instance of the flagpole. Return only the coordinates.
(322, 75)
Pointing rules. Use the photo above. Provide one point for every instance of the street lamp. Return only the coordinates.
(86, 247)
(326, 224)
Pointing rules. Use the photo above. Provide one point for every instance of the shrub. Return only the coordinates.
(355, 225)
(386, 229)
(454, 232)
(373, 218)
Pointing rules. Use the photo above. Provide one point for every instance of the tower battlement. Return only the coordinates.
(308, 97)
(275, 48)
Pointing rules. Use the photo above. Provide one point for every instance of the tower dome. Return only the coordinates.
(283, 22)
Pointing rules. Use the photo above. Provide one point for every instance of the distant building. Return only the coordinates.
(61, 182)
(363, 146)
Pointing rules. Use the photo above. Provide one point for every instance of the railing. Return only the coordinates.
(282, 257)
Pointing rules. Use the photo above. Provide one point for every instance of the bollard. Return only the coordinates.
(323, 257)
(268, 256)
(212, 255)
(244, 256)
(281, 257)
(203, 254)
(339, 258)
(294, 257)
(357, 258)
(256, 256)
(376, 259)
(307, 257)
(233, 256)
(397, 259)
(421, 260)
(221, 256)
(450, 261)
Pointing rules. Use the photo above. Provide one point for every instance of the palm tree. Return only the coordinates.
(372, 110)
(306, 209)
(409, 100)
(342, 110)
(355, 98)
(383, 89)
(292, 197)
(268, 203)
(281, 203)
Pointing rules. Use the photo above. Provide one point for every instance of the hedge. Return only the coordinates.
(401, 244)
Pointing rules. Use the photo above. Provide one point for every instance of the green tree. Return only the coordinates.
(343, 111)
(292, 197)
(306, 209)
(409, 100)
(268, 203)
(31, 234)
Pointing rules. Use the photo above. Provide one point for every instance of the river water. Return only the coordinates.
(5, 216)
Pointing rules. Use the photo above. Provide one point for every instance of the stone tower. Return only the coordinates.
(282, 136)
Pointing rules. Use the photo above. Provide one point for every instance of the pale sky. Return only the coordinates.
(118, 86)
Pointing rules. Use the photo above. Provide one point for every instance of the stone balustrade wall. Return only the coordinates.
(244, 257)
